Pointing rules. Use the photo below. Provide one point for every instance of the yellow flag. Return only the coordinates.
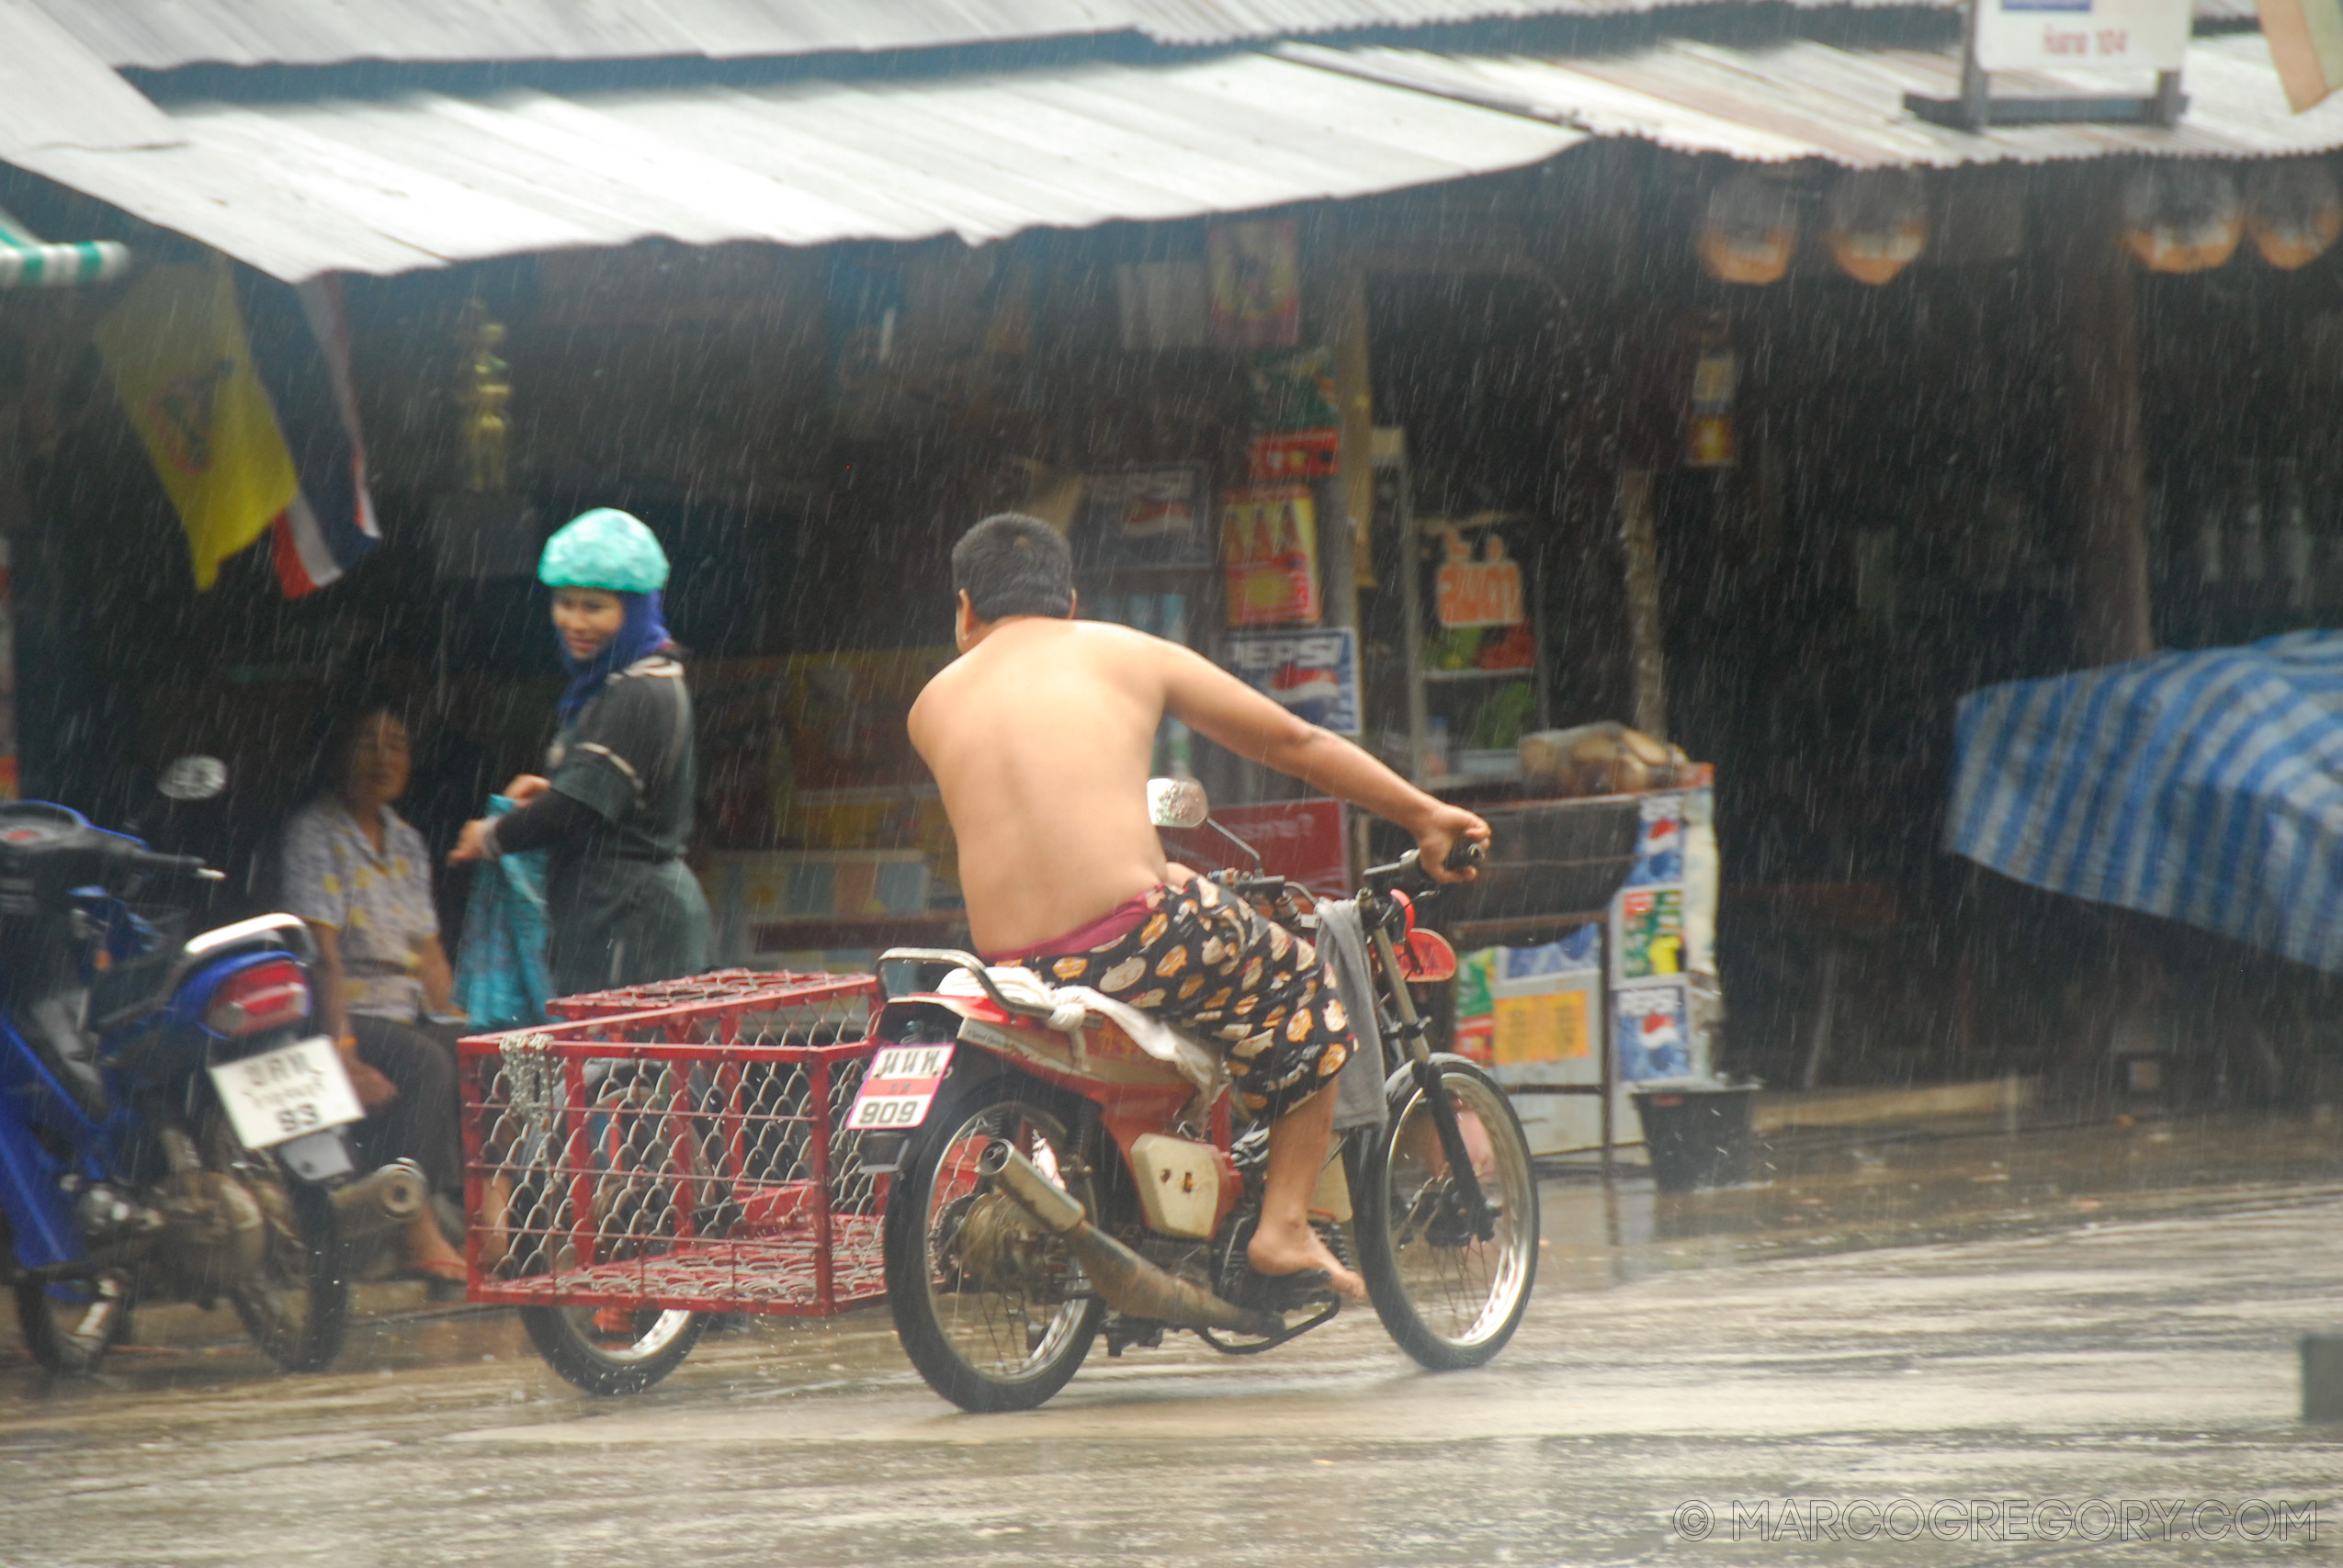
(176, 349)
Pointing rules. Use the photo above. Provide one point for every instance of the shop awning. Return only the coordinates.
(1804, 99)
(420, 180)
(29, 261)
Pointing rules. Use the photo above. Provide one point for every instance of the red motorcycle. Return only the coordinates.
(1054, 1180)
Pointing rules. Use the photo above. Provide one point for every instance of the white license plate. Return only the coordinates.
(287, 1093)
(899, 1089)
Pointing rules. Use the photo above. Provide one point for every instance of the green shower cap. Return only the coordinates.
(604, 548)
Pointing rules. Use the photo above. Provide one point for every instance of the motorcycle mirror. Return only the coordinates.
(1177, 803)
(192, 778)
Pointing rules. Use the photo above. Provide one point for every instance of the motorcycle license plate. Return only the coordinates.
(287, 1093)
(899, 1089)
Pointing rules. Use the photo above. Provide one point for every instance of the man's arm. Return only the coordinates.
(1220, 706)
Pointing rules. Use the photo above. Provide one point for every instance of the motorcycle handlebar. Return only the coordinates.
(130, 857)
(1470, 854)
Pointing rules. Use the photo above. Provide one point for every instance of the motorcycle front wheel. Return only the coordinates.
(296, 1305)
(992, 1309)
(613, 1352)
(1450, 1297)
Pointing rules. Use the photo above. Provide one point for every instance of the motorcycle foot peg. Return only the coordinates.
(1280, 1293)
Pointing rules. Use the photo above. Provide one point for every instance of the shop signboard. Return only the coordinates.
(1269, 550)
(2087, 35)
(1302, 841)
(1293, 417)
(1312, 674)
(1660, 841)
(1555, 1025)
(1531, 1007)
(1484, 592)
(1654, 1031)
(1255, 271)
(1155, 516)
(1650, 932)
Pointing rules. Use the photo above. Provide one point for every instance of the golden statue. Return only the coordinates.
(483, 392)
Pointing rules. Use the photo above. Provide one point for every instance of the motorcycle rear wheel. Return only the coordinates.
(994, 1344)
(1450, 1299)
(69, 1325)
(297, 1308)
(613, 1352)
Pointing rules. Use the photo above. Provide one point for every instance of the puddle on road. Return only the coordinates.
(1819, 1193)
(1849, 1189)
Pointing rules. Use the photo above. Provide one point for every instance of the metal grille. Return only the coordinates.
(690, 1152)
(717, 985)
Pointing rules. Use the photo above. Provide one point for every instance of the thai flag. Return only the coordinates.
(303, 360)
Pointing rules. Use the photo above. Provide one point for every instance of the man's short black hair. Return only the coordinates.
(1011, 564)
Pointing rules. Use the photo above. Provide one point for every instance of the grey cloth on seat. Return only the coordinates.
(1341, 942)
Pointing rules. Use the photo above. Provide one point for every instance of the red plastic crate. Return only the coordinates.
(687, 1156)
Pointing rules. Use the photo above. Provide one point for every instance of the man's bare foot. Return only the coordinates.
(428, 1251)
(1278, 1251)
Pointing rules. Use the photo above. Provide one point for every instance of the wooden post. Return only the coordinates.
(1647, 656)
(2105, 460)
(1354, 402)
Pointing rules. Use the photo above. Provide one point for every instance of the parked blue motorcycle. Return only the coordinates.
(170, 1120)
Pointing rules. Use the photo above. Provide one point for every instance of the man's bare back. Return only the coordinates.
(1042, 733)
(1040, 736)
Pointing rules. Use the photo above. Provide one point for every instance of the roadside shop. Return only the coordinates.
(1501, 396)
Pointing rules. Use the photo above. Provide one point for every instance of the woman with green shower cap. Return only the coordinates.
(615, 803)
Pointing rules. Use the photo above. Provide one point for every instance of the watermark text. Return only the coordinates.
(2249, 1519)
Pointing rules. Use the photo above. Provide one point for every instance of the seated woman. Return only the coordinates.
(361, 877)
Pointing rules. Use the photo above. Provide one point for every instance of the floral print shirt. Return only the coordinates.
(380, 902)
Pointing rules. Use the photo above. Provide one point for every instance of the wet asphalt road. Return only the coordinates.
(2102, 1319)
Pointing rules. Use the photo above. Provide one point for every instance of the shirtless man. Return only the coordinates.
(1040, 736)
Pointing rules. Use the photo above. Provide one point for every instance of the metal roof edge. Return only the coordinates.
(56, 92)
(1343, 63)
(1805, 100)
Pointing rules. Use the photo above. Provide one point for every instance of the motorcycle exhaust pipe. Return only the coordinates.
(383, 1201)
(1130, 1283)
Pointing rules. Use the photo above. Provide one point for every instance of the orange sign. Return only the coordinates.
(1484, 592)
(1550, 1027)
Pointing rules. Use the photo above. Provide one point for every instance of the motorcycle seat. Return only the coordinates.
(1078, 1007)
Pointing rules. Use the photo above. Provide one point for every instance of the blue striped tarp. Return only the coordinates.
(29, 261)
(2204, 787)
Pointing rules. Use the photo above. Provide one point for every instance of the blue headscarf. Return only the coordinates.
(641, 634)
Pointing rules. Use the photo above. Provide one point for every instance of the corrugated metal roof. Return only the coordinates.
(159, 35)
(424, 179)
(55, 92)
(1231, 21)
(1810, 100)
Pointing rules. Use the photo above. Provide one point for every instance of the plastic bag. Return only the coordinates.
(500, 978)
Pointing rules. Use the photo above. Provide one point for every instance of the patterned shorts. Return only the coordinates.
(1207, 962)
